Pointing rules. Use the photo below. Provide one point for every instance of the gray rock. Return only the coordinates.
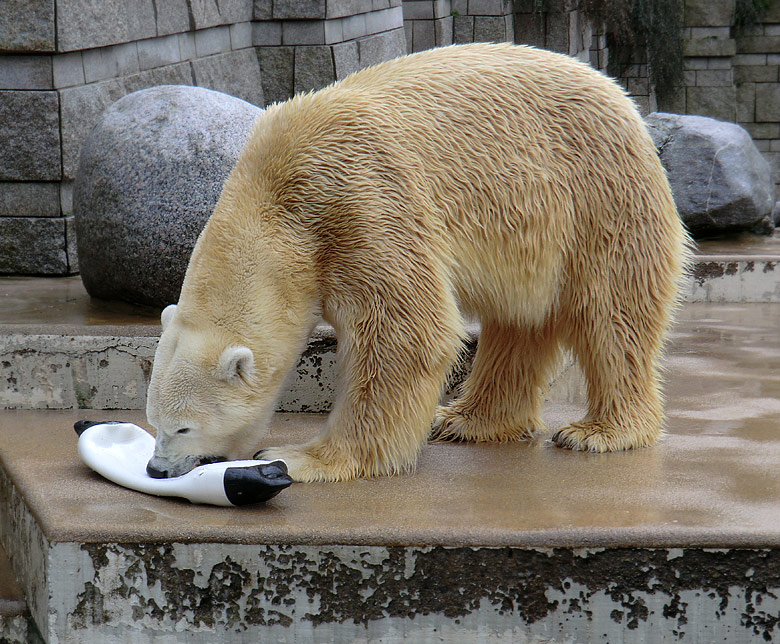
(82, 106)
(149, 176)
(720, 181)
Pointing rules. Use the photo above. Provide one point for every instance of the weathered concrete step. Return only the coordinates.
(485, 542)
(91, 367)
(742, 269)
(107, 366)
(744, 278)
(524, 542)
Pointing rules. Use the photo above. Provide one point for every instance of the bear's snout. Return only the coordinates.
(162, 468)
(155, 469)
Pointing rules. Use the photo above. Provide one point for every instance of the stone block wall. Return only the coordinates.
(304, 46)
(62, 62)
(562, 26)
(733, 74)
(437, 23)
(429, 23)
(756, 69)
(730, 73)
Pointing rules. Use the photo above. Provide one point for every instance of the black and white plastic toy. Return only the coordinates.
(120, 452)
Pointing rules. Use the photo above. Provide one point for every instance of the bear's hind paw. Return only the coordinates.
(597, 436)
(449, 425)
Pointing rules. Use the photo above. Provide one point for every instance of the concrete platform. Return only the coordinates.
(484, 543)
(740, 269)
(521, 543)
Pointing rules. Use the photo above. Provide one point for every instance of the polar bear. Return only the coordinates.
(503, 182)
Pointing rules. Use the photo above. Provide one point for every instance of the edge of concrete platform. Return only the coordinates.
(134, 594)
(96, 330)
(50, 367)
(108, 591)
(67, 366)
(735, 279)
(54, 498)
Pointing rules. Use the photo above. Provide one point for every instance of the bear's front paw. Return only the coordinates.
(450, 424)
(597, 436)
(304, 467)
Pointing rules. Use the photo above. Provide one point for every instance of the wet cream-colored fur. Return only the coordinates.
(508, 183)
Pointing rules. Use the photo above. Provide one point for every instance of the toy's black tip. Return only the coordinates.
(256, 483)
(81, 425)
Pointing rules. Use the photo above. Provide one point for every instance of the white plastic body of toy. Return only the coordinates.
(120, 451)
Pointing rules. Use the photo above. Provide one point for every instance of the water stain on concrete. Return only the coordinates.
(338, 585)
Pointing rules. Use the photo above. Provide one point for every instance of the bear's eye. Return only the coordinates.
(184, 430)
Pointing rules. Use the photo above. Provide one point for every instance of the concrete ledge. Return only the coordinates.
(525, 542)
(54, 370)
(138, 593)
(735, 279)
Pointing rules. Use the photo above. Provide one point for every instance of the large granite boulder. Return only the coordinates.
(149, 176)
(720, 181)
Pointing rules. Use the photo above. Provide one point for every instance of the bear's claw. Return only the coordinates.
(304, 467)
(597, 436)
(450, 425)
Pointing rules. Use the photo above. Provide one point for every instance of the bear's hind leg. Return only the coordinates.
(618, 352)
(501, 399)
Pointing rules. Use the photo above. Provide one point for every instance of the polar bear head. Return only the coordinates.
(207, 398)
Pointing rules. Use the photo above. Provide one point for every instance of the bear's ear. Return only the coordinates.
(235, 363)
(167, 315)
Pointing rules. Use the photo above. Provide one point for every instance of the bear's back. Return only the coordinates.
(460, 122)
(508, 163)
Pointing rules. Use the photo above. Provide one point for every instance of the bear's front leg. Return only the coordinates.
(380, 423)
(394, 357)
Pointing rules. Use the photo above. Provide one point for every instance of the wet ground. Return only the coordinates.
(64, 301)
(745, 245)
(714, 480)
